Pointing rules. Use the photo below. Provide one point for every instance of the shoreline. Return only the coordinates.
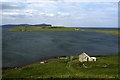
(47, 59)
(66, 68)
(60, 29)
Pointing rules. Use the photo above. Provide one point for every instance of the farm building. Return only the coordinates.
(42, 62)
(77, 29)
(84, 57)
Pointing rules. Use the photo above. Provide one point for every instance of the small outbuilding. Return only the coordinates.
(93, 58)
(84, 57)
(42, 62)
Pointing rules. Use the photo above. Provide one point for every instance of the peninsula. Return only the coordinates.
(49, 27)
(41, 27)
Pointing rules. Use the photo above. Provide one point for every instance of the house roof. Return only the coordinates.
(93, 57)
(83, 55)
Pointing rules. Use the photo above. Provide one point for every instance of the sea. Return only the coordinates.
(23, 48)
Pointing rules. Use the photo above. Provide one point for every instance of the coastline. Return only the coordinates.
(45, 59)
(63, 68)
(50, 58)
(61, 29)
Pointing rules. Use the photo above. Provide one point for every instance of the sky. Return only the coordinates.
(68, 13)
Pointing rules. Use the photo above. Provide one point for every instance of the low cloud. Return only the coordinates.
(60, 12)
(11, 6)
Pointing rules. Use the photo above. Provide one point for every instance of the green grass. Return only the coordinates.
(57, 28)
(112, 32)
(34, 28)
(104, 67)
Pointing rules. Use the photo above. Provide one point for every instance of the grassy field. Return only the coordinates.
(57, 28)
(112, 32)
(104, 67)
(42, 28)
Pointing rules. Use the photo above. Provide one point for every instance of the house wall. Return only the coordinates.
(91, 59)
(84, 59)
(81, 59)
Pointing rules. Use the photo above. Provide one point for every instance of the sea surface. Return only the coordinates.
(22, 48)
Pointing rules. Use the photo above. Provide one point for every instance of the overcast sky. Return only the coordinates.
(69, 13)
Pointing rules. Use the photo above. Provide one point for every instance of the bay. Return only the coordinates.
(22, 48)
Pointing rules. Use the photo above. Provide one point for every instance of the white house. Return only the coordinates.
(77, 29)
(84, 57)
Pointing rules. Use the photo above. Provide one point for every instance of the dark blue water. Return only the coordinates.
(21, 48)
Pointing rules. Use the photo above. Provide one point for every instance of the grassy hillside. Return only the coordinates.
(104, 67)
(41, 28)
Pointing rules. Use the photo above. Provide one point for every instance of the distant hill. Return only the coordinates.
(15, 25)
(42, 25)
